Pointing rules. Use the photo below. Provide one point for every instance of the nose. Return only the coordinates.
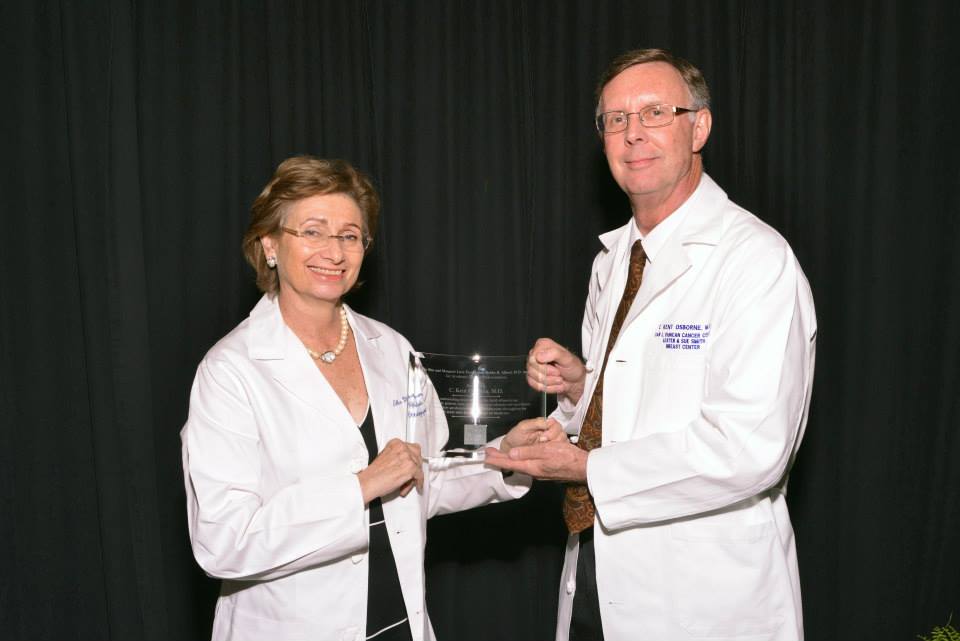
(333, 250)
(635, 131)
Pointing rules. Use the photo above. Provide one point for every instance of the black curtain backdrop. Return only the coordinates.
(135, 135)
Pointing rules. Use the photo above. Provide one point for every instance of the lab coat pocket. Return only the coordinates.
(671, 392)
(724, 585)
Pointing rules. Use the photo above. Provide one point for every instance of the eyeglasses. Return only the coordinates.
(320, 237)
(652, 116)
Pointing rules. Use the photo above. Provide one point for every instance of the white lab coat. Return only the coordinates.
(270, 456)
(692, 535)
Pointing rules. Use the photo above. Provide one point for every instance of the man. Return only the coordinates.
(699, 338)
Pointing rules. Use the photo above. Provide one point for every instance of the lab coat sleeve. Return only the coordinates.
(465, 486)
(238, 532)
(752, 410)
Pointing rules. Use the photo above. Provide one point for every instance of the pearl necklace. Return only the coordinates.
(331, 355)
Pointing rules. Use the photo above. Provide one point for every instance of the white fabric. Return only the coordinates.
(692, 535)
(270, 457)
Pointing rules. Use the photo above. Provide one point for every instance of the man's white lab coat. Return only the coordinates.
(705, 401)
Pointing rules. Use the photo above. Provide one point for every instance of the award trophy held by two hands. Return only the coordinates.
(482, 397)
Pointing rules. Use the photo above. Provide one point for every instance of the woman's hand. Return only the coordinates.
(398, 466)
(531, 432)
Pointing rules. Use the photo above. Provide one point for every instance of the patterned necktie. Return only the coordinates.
(578, 507)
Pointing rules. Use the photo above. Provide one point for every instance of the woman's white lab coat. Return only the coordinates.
(270, 456)
(705, 401)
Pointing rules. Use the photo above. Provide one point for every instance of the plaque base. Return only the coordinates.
(471, 455)
(474, 434)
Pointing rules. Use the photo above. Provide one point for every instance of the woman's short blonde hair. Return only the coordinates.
(297, 178)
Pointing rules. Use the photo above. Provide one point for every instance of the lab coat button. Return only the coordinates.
(571, 586)
(356, 558)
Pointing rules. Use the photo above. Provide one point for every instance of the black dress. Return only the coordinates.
(386, 614)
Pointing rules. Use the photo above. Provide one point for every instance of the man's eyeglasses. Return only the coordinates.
(320, 237)
(613, 122)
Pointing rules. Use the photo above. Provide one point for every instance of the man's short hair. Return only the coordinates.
(696, 84)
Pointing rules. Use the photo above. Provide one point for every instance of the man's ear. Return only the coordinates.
(703, 121)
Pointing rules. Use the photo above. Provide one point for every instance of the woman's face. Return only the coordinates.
(315, 267)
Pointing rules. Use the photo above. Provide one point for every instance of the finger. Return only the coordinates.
(550, 370)
(540, 345)
(527, 452)
(497, 458)
(392, 446)
(539, 355)
(535, 383)
(550, 351)
(531, 359)
(406, 488)
(561, 356)
(545, 344)
(553, 432)
(418, 478)
(414, 449)
(554, 437)
(506, 463)
(535, 423)
(546, 374)
(534, 369)
(492, 454)
(546, 355)
(543, 373)
(529, 429)
(543, 424)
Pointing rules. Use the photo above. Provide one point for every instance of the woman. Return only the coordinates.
(302, 495)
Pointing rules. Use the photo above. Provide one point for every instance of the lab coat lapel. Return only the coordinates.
(670, 264)
(615, 244)
(272, 342)
(703, 225)
(376, 376)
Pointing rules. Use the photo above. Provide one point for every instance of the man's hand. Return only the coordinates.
(532, 431)
(552, 368)
(554, 461)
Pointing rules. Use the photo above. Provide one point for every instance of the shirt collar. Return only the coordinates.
(654, 241)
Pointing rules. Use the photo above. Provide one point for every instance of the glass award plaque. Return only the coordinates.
(482, 398)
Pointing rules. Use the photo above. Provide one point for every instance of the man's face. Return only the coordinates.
(650, 164)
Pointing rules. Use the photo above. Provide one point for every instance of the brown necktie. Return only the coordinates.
(578, 507)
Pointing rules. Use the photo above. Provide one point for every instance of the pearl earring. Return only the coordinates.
(271, 261)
